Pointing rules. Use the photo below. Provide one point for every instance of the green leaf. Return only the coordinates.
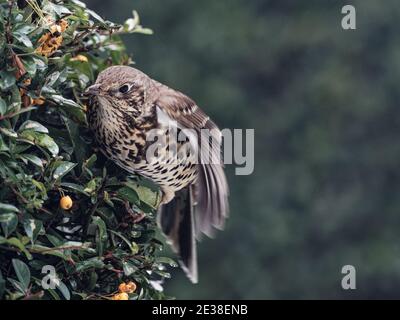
(163, 274)
(3, 107)
(166, 260)
(128, 194)
(91, 186)
(3, 145)
(32, 158)
(92, 280)
(75, 187)
(64, 101)
(95, 15)
(4, 207)
(34, 126)
(43, 250)
(96, 263)
(7, 80)
(64, 290)
(22, 272)
(90, 162)
(63, 168)
(55, 241)
(18, 286)
(9, 222)
(48, 142)
(52, 78)
(41, 187)
(17, 243)
(41, 139)
(25, 28)
(32, 228)
(9, 132)
(132, 245)
(54, 294)
(129, 268)
(57, 9)
(74, 132)
(31, 65)
(2, 285)
(107, 214)
(145, 194)
(24, 110)
(102, 234)
(23, 38)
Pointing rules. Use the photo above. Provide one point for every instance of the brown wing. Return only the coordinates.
(210, 191)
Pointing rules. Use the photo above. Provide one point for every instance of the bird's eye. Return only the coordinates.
(124, 89)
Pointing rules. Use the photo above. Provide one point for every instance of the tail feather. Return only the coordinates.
(177, 223)
(200, 208)
(211, 197)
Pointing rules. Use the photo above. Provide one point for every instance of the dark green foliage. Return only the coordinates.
(46, 152)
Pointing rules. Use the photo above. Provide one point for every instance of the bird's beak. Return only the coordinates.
(93, 90)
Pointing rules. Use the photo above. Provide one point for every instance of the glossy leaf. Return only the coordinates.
(9, 222)
(22, 272)
(62, 169)
(128, 194)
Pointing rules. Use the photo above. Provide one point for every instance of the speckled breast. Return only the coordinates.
(145, 148)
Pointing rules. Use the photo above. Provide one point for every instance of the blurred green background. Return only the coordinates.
(324, 105)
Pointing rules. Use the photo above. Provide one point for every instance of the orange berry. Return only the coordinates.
(120, 296)
(39, 101)
(122, 287)
(66, 202)
(27, 81)
(131, 286)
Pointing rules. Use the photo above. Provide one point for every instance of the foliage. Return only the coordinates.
(49, 53)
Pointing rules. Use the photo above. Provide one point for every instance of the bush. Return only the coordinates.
(62, 204)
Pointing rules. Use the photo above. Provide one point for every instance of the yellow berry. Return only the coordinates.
(66, 202)
(80, 58)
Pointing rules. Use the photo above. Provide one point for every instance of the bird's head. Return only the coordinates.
(122, 84)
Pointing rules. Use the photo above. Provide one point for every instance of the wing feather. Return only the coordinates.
(211, 188)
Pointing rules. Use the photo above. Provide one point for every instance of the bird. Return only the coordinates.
(127, 109)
